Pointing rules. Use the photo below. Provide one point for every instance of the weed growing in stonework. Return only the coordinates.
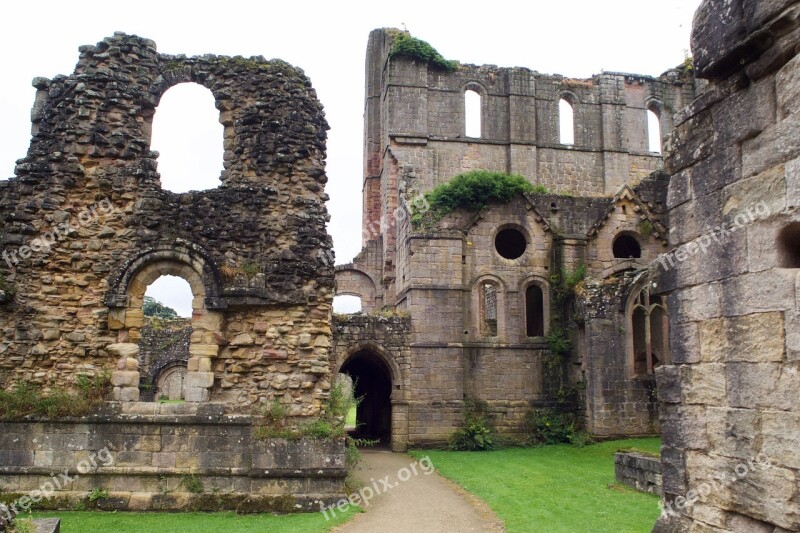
(97, 494)
(192, 483)
(26, 399)
(474, 434)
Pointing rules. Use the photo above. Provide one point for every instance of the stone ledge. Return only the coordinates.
(639, 471)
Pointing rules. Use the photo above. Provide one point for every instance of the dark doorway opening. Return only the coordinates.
(373, 383)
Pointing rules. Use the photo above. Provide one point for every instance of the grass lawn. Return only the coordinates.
(350, 422)
(91, 522)
(554, 488)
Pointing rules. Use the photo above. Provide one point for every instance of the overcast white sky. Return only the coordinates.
(328, 40)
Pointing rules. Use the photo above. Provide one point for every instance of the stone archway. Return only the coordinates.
(127, 317)
(383, 413)
(169, 382)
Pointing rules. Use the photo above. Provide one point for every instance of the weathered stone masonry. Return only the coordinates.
(603, 187)
(255, 250)
(729, 400)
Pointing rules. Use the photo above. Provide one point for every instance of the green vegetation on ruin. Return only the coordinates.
(27, 399)
(472, 190)
(410, 47)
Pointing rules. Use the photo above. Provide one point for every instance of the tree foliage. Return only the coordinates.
(154, 308)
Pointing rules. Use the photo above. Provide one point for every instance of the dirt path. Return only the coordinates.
(417, 500)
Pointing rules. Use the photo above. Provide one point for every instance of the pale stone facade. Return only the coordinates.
(731, 430)
(605, 186)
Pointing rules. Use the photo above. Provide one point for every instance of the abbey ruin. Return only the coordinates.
(671, 279)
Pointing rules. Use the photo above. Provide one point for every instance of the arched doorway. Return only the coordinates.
(373, 383)
(169, 382)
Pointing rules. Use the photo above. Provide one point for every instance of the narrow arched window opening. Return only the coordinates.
(653, 131)
(534, 311)
(649, 333)
(488, 295)
(472, 114)
(626, 247)
(188, 136)
(346, 304)
(566, 116)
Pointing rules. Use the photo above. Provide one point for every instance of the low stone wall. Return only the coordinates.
(151, 457)
(642, 472)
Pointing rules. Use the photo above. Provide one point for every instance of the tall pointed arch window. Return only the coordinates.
(648, 333)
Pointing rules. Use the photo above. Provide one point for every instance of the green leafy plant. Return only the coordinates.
(548, 426)
(98, 493)
(330, 424)
(410, 47)
(352, 456)
(192, 483)
(571, 279)
(472, 190)
(251, 269)
(475, 433)
(559, 345)
(646, 228)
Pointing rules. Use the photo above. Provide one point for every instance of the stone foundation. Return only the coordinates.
(642, 472)
(152, 457)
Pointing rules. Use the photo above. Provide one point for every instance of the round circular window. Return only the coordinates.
(510, 243)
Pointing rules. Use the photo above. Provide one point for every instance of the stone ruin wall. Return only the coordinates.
(729, 400)
(415, 139)
(255, 250)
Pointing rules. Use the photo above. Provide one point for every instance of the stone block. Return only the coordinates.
(771, 290)
(128, 363)
(792, 335)
(787, 84)
(781, 438)
(775, 146)
(755, 198)
(123, 349)
(733, 432)
(43, 458)
(763, 385)
(684, 342)
(126, 394)
(203, 350)
(669, 385)
(756, 338)
(139, 501)
(201, 380)
(125, 378)
(793, 183)
(195, 394)
(704, 383)
(242, 339)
